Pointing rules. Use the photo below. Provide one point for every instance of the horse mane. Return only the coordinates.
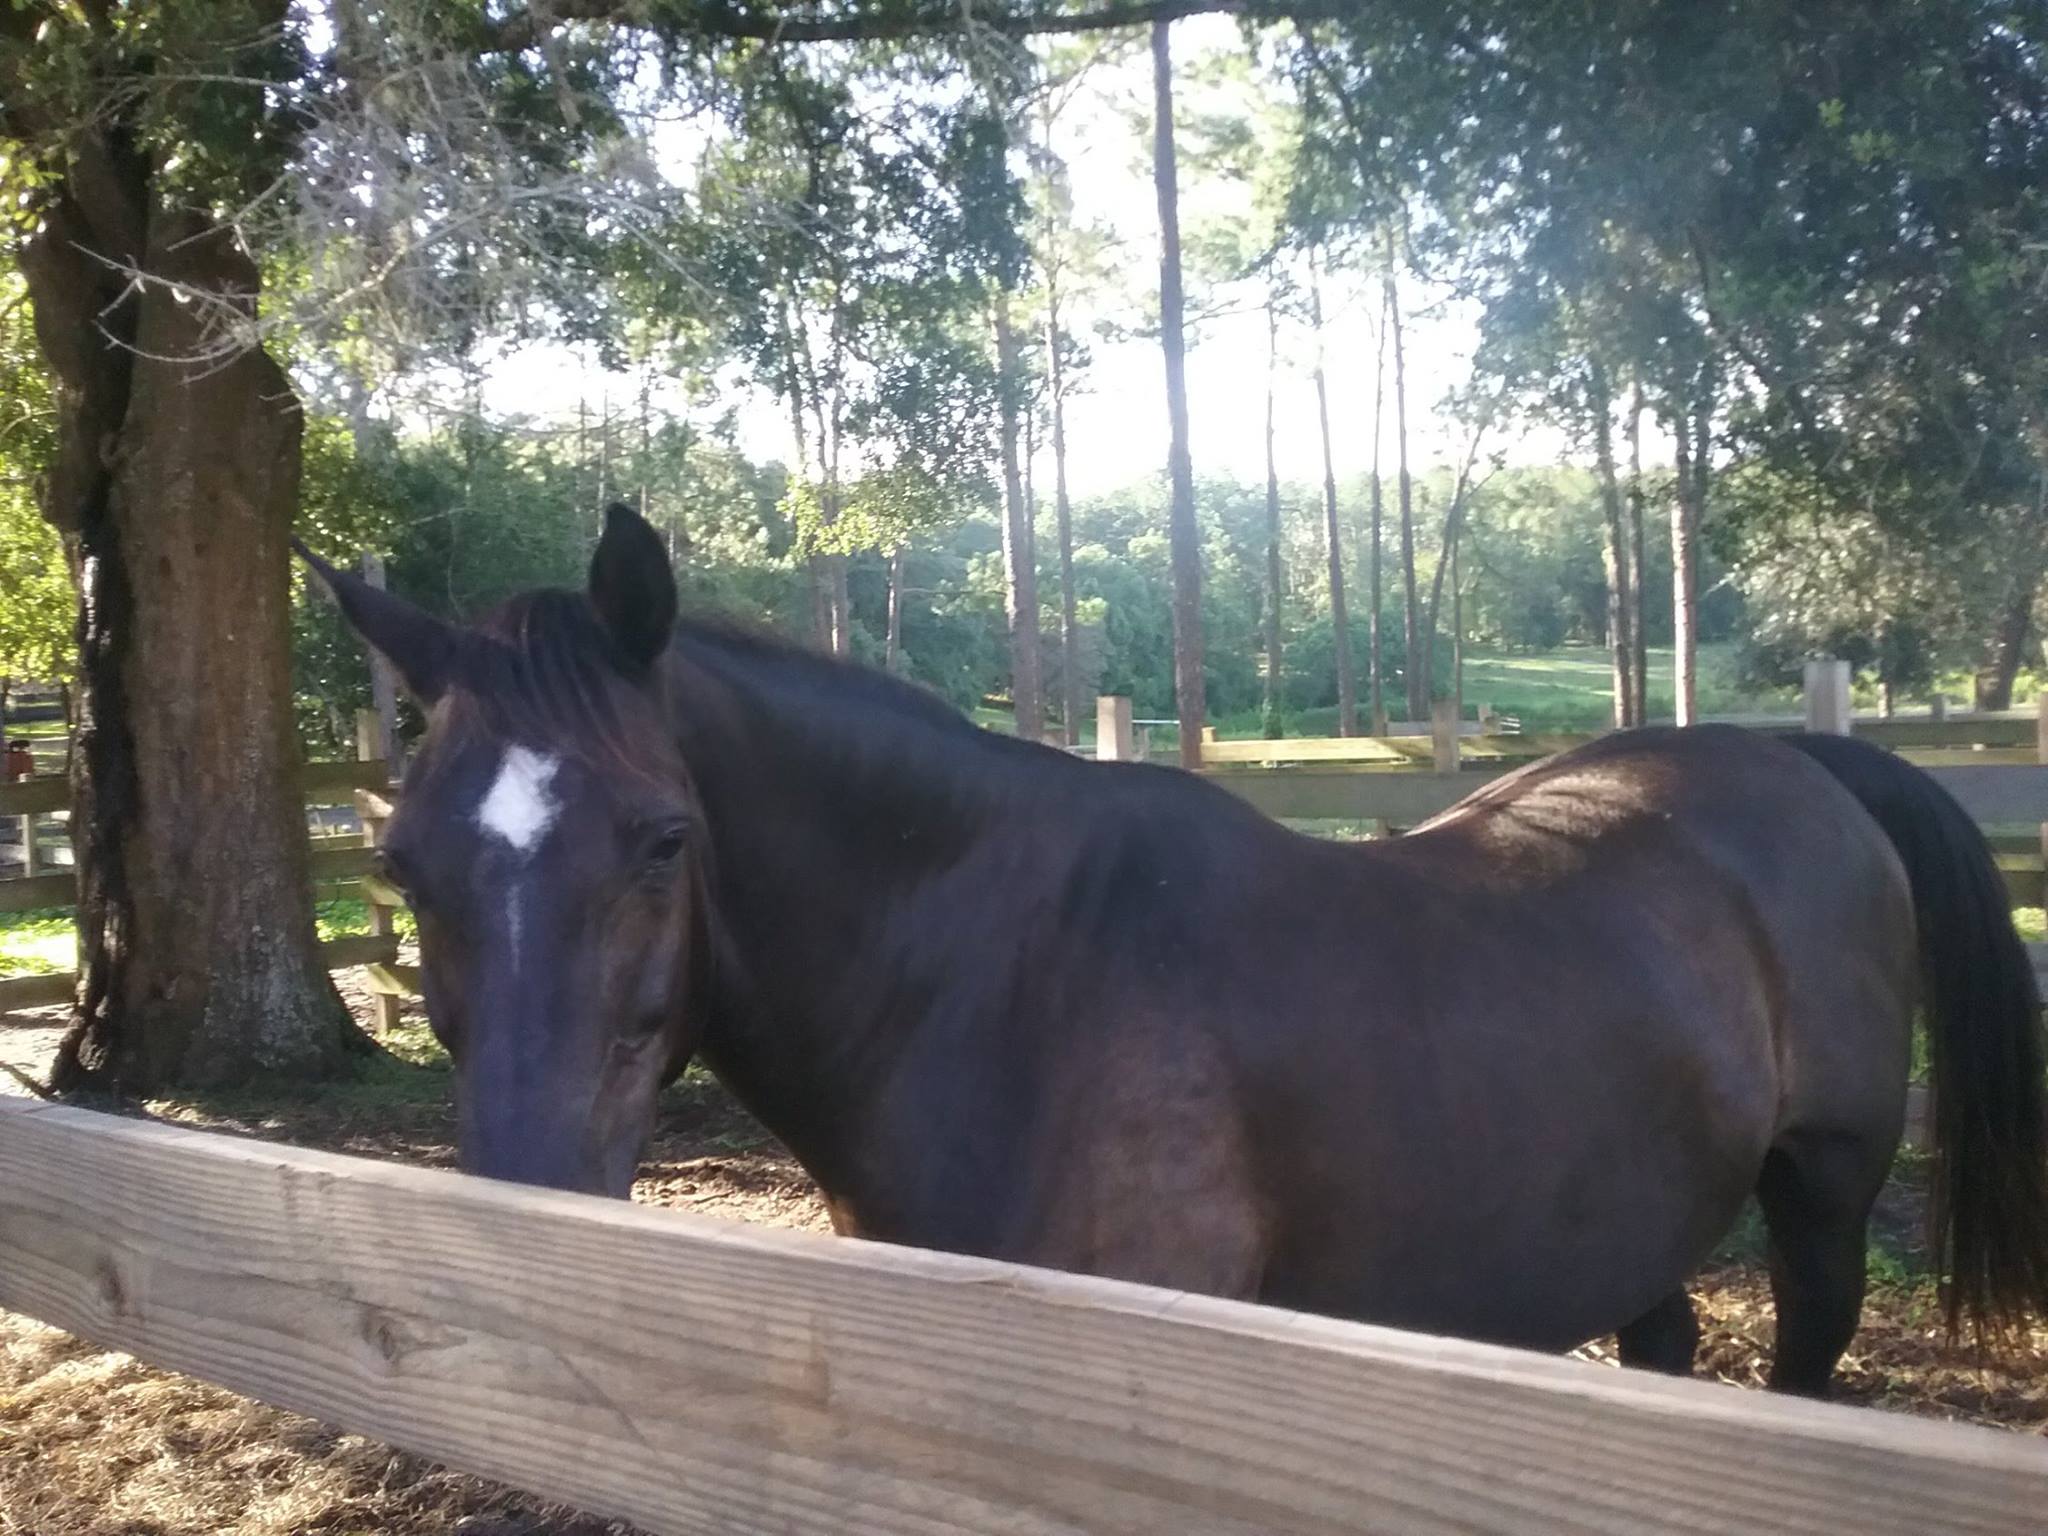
(541, 667)
(766, 658)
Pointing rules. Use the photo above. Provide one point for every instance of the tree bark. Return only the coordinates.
(1273, 710)
(1020, 567)
(1063, 518)
(1999, 664)
(1190, 693)
(1418, 700)
(892, 650)
(1613, 550)
(1379, 393)
(1637, 556)
(1457, 625)
(1453, 530)
(175, 486)
(1333, 536)
(1687, 505)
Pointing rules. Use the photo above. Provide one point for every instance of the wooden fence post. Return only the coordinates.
(1115, 742)
(1827, 696)
(383, 916)
(1443, 734)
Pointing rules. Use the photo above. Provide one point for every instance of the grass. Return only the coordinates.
(1568, 689)
(45, 943)
(37, 943)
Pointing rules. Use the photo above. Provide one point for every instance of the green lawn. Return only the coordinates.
(1568, 689)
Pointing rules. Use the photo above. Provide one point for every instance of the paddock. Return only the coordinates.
(687, 1374)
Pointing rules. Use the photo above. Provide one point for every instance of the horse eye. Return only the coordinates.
(668, 845)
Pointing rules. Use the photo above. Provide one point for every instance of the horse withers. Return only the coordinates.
(1510, 1077)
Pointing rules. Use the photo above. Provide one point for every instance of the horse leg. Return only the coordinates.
(1816, 1196)
(1664, 1338)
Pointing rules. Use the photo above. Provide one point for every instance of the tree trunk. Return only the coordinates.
(1686, 506)
(1613, 552)
(1637, 557)
(1020, 572)
(1447, 542)
(1999, 664)
(1379, 394)
(1457, 626)
(1190, 693)
(176, 486)
(1273, 710)
(1418, 699)
(892, 650)
(1063, 516)
(1333, 536)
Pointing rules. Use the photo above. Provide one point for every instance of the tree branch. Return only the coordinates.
(737, 19)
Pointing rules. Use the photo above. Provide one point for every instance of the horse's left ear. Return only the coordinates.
(632, 587)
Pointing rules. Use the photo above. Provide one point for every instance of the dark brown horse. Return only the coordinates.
(1510, 1077)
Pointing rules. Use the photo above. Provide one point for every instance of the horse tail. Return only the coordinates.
(1988, 1203)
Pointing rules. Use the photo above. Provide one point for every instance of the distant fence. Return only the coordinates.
(326, 783)
(689, 1374)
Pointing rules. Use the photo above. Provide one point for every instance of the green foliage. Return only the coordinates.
(36, 604)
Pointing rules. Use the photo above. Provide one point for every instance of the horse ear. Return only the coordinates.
(632, 587)
(423, 648)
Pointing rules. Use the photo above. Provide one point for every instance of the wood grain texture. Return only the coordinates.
(693, 1375)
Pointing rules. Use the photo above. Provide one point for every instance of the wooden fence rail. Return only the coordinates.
(694, 1375)
(321, 783)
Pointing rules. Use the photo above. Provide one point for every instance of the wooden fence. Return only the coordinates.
(695, 1375)
(320, 783)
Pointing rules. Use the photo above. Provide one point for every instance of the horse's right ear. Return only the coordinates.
(633, 587)
(422, 648)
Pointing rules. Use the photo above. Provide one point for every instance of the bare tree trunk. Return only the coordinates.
(1638, 558)
(1379, 393)
(1685, 520)
(1613, 550)
(1333, 537)
(174, 487)
(1453, 529)
(1457, 625)
(1190, 693)
(1063, 517)
(1272, 710)
(1020, 573)
(1417, 672)
(892, 651)
(1999, 663)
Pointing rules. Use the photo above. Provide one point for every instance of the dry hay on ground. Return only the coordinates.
(92, 1443)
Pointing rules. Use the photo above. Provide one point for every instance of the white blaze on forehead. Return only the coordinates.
(519, 810)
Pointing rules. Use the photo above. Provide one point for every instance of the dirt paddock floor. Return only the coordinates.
(93, 1443)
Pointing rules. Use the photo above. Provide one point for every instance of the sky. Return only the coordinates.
(1116, 421)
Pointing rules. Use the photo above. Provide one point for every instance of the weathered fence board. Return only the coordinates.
(694, 1375)
(58, 986)
(36, 892)
(334, 779)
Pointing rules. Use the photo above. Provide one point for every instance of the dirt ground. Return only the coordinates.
(93, 1443)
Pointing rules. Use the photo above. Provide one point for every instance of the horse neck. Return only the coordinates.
(831, 815)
